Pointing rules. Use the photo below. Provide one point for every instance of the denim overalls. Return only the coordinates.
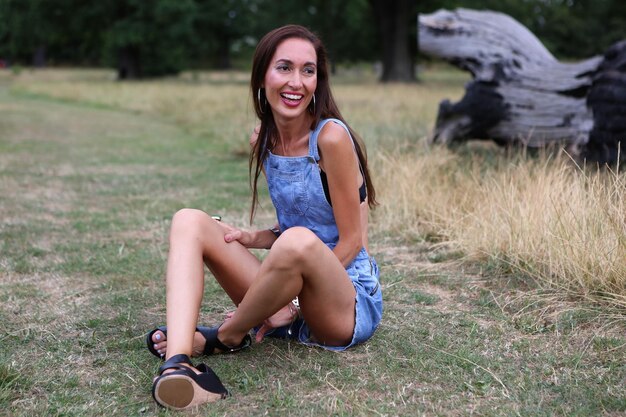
(298, 196)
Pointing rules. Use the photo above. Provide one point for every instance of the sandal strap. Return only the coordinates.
(212, 342)
(175, 363)
(209, 380)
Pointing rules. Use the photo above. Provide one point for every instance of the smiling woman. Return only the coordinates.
(291, 80)
(318, 284)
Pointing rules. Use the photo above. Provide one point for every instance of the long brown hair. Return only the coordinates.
(325, 105)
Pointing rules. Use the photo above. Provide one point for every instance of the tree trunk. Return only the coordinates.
(393, 17)
(223, 53)
(39, 57)
(128, 67)
(520, 94)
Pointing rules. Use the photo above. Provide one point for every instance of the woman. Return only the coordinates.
(317, 283)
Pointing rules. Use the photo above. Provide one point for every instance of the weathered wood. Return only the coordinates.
(607, 101)
(520, 93)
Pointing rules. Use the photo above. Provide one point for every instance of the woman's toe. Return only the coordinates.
(160, 347)
(160, 342)
(158, 337)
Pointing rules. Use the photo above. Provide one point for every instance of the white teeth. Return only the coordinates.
(292, 96)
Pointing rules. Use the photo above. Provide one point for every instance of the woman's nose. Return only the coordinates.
(295, 81)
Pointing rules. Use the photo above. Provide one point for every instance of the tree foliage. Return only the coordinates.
(159, 37)
(147, 39)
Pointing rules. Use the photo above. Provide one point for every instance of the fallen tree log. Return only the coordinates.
(607, 101)
(520, 93)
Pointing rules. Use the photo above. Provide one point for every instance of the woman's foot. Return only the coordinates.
(159, 340)
(205, 342)
(181, 385)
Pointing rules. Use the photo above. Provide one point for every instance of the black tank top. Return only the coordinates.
(324, 178)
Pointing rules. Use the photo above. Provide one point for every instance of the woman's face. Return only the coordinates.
(291, 78)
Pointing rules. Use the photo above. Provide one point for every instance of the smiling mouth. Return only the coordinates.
(292, 97)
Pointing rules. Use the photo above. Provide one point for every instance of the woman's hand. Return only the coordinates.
(244, 237)
(282, 317)
(256, 239)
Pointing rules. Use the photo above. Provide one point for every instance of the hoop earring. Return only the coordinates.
(313, 111)
(258, 96)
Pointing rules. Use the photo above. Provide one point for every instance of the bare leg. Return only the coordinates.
(299, 264)
(195, 237)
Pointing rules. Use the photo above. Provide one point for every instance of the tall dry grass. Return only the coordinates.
(543, 217)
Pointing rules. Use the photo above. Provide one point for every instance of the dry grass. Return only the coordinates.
(205, 101)
(542, 217)
(200, 106)
(562, 225)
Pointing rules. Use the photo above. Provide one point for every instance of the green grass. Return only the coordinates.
(86, 196)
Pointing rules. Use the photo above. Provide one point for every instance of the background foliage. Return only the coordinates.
(167, 36)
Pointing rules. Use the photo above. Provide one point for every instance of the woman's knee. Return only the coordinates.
(297, 244)
(189, 223)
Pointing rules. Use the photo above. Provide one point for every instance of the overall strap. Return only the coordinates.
(313, 150)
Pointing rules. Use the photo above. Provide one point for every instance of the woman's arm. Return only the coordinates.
(339, 160)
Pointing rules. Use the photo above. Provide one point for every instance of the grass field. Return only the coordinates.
(476, 322)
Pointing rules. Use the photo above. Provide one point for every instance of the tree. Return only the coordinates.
(27, 32)
(347, 29)
(148, 39)
(394, 19)
(221, 26)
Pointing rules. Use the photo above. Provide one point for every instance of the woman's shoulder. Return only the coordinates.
(333, 133)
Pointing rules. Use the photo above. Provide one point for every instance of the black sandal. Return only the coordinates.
(212, 342)
(150, 343)
(183, 388)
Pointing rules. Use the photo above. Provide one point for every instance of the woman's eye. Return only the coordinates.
(309, 70)
(282, 68)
